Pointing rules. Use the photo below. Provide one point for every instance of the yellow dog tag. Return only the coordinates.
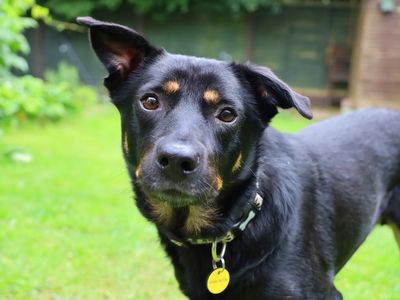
(218, 280)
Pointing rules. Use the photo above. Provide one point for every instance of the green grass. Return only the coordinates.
(69, 229)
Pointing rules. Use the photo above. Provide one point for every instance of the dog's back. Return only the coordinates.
(359, 158)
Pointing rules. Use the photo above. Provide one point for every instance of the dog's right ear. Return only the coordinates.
(119, 48)
(272, 91)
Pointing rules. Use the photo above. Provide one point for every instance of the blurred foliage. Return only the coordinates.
(40, 12)
(64, 73)
(155, 8)
(13, 43)
(79, 8)
(29, 98)
(26, 97)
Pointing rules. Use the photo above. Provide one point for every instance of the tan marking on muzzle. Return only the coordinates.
(238, 163)
(126, 145)
(211, 96)
(199, 218)
(219, 182)
(138, 171)
(161, 211)
(171, 86)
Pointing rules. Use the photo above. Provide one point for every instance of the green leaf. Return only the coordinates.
(40, 12)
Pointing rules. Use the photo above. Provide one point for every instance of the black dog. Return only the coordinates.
(289, 210)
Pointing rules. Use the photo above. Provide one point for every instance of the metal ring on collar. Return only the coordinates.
(217, 257)
(222, 261)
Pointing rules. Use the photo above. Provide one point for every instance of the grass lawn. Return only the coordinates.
(69, 229)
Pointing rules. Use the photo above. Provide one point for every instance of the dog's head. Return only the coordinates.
(190, 126)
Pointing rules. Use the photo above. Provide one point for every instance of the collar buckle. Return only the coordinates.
(249, 213)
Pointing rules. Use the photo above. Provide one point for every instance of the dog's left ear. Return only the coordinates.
(119, 48)
(272, 91)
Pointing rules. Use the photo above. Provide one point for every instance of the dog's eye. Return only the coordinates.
(150, 103)
(227, 115)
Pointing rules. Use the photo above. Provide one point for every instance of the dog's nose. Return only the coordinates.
(177, 159)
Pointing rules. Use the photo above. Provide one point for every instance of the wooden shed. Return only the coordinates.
(375, 71)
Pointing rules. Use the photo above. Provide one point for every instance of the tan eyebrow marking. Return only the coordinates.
(211, 96)
(238, 163)
(171, 86)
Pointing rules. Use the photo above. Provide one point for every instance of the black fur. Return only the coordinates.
(324, 188)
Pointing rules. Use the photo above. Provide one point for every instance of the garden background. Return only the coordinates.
(68, 225)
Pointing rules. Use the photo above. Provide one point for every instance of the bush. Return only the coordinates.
(29, 98)
(64, 73)
(12, 40)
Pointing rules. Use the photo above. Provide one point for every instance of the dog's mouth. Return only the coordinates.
(196, 188)
(185, 206)
(176, 198)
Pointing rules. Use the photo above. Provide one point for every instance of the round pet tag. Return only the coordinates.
(218, 280)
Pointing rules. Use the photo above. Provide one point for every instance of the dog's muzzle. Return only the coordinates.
(178, 160)
(177, 172)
